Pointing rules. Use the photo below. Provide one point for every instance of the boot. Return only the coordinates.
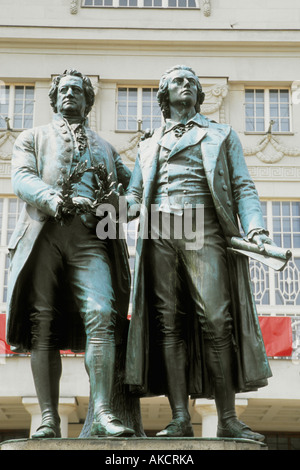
(221, 366)
(46, 370)
(100, 366)
(176, 369)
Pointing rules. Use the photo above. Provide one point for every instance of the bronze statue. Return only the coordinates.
(194, 329)
(68, 289)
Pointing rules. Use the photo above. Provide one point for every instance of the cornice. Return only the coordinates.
(123, 31)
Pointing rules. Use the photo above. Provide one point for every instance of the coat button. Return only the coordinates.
(60, 182)
(64, 171)
(67, 159)
(67, 138)
(224, 187)
(229, 203)
(221, 172)
(68, 149)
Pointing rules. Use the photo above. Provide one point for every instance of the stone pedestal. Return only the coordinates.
(180, 445)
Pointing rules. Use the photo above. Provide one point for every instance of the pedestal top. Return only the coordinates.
(134, 444)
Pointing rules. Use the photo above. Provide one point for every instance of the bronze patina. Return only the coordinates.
(194, 329)
(68, 289)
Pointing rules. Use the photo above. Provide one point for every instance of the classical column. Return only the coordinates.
(208, 412)
(66, 407)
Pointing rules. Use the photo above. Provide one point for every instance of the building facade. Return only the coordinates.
(247, 56)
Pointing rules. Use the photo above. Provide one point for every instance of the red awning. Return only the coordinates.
(277, 335)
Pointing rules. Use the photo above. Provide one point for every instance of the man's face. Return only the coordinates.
(182, 88)
(70, 96)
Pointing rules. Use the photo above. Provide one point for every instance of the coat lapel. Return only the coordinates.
(211, 147)
(149, 153)
(212, 153)
(190, 138)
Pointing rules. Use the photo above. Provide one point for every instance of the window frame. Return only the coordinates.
(272, 308)
(267, 114)
(139, 116)
(140, 4)
(11, 104)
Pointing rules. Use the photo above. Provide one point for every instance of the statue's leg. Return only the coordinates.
(90, 277)
(125, 405)
(46, 371)
(176, 370)
(208, 281)
(169, 327)
(46, 366)
(220, 364)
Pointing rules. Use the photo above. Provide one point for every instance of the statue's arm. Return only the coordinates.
(134, 193)
(243, 188)
(26, 182)
(123, 172)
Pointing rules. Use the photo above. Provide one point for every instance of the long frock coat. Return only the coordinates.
(234, 196)
(41, 156)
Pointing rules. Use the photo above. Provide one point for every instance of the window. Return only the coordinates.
(137, 105)
(265, 106)
(280, 289)
(140, 3)
(97, 3)
(16, 106)
(10, 209)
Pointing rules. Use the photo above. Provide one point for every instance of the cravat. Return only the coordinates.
(181, 129)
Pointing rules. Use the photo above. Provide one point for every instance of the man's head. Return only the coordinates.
(180, 84)
(72, 93)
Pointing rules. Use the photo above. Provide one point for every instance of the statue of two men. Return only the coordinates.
(190, 305)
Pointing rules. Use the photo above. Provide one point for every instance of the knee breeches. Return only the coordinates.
(71, 255)
(200, 275)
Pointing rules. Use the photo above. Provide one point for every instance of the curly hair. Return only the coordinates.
(163, 95)
(87, 88)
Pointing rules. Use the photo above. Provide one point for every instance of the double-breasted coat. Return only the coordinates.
(42, 156)
(234, 196)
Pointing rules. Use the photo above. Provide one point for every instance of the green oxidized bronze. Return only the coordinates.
(194, 329)
(68, 289)
(66, 208)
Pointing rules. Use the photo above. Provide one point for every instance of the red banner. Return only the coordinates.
(277, 335)
(4, 348)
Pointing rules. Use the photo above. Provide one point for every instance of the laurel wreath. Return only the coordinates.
(66, 208)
